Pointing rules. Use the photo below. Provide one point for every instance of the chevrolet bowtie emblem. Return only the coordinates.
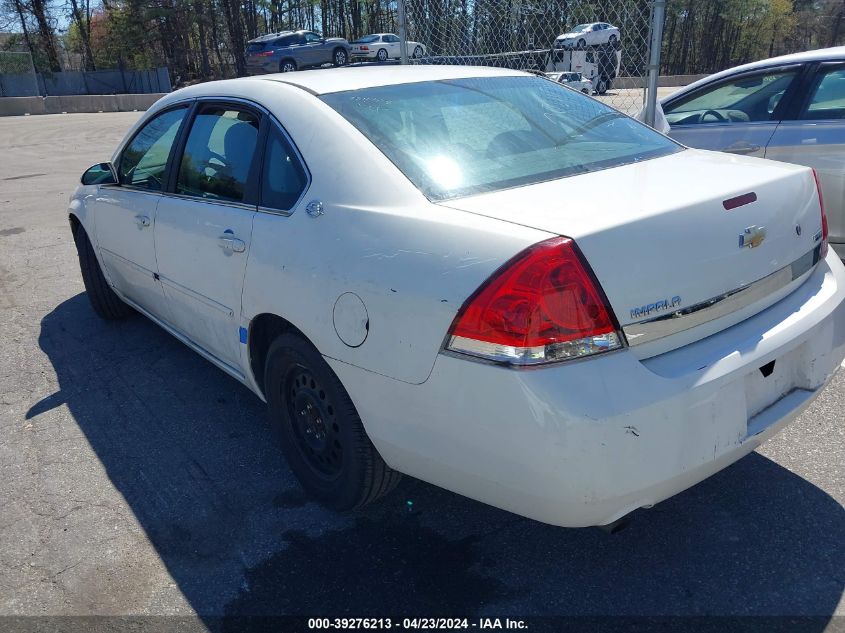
(752, 237)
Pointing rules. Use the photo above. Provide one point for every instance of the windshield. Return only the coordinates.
(367, 39)
(465, 136)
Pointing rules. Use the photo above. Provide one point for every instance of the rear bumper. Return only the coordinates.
(362, 55)
(585, 443)
(262, 69)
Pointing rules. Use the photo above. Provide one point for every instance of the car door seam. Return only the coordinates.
(211, 303)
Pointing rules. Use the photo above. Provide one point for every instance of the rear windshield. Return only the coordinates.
(465, 136)
(367, 39)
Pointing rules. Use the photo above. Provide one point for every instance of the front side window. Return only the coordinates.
(827, 97)
(144, 160)
(464, 136)
(746, 99)
(218, 154)
(283, 178)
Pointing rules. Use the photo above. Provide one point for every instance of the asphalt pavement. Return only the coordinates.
(138, 479)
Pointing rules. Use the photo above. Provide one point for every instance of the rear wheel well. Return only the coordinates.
(74, 223)
(263, 330)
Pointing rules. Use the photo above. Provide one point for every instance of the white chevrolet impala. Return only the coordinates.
(473, 276)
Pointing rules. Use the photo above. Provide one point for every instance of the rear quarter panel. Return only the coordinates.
(412, 263)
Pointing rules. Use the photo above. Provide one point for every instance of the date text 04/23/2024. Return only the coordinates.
(435, 624)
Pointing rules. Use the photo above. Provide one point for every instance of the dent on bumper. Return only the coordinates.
(584, 443)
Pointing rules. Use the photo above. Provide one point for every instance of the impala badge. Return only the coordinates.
(752, 237)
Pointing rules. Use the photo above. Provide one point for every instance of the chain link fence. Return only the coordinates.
(605, 42)
(17, 75)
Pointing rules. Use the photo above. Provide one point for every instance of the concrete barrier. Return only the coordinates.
(664, 81)
(17, 106)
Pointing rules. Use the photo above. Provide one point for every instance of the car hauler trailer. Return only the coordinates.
(600, 64)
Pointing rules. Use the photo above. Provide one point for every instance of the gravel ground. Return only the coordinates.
(136, 478)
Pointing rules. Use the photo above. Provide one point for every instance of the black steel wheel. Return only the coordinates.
(315, 426)
(319, 429)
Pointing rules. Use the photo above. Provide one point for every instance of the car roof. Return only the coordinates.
(269, 36)
(325, 81)
(272, 36)
(821, 54)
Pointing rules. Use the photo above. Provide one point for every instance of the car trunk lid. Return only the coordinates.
(670, 238)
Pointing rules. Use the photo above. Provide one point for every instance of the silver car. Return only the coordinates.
(294, 50)
(789, 108)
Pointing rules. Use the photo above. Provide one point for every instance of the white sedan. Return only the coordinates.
(464, 306)
(592, 34)
(576, 81)
(384, 46)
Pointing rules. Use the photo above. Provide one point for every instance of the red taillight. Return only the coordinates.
(544, 305)
(365, 48)
(825, 235)
(264, 54)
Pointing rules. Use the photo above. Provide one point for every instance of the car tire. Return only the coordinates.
(582, 43)
(611, 40)
(382, 55)
(287, 66)
(601, 86)
(340, 57)
(585, 91)
(103, 299)
(319, 430)
(418, 52)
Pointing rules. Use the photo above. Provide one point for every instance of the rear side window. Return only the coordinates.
(750, 98)
(465, 136)
(219, 154)
(283, 179)
(255, 47)
(144, 160)
(827, 97)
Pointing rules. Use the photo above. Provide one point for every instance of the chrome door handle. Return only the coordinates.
(142, 221)
(232, 244)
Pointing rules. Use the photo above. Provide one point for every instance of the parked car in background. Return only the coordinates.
(592, 34)
(789, 108)
(384, 46)
(294, 50)
(398, 261)
(572, 80)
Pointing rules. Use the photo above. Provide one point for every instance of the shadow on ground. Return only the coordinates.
(190, 451)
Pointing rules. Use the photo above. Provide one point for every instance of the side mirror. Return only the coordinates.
(100, 174)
